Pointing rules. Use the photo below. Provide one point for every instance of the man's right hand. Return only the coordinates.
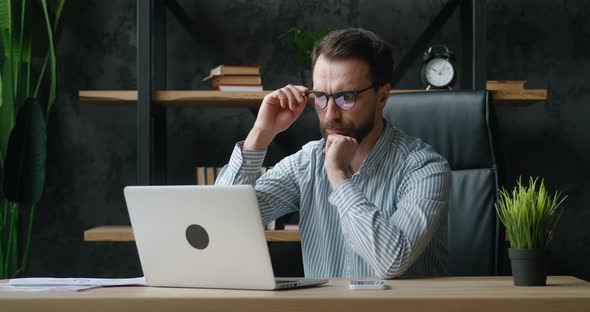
(279, 109)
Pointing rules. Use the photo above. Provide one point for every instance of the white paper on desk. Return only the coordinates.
(96, 282)
(36, 288)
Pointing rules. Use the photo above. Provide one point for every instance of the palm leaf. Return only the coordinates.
(1, 101)
(5, 17)
(2, 60)
(53, 72)
(56, 6)
(7, 111)
(24, 171)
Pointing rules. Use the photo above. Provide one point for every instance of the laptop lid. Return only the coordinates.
(200, 236)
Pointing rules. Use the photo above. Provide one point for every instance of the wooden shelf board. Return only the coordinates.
(508, 98)
(502, 98)
(124, 233)
(282, 236)
(178, 97)
(110, 233)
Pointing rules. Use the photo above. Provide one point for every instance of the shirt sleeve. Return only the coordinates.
(277, 190)
(392, 245)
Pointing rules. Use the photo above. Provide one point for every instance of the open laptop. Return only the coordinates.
(203, 236)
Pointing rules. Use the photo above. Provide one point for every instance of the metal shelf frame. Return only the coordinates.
(151, 58)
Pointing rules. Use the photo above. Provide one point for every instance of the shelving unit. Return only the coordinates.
(152, 93)
(501, 98)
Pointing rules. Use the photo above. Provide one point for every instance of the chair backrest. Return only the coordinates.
(457, 124)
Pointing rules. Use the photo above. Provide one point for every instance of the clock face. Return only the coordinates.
(439, 72)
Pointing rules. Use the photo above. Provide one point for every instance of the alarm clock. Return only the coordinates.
(438, 71)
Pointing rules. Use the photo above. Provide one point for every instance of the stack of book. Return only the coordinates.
(494, 85)
(207, 175)
(235, 78)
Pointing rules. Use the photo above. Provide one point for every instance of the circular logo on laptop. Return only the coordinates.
(197, 236)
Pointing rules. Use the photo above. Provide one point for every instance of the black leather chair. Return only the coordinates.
(458, 125)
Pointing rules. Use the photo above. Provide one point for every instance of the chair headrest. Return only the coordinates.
(455, 123)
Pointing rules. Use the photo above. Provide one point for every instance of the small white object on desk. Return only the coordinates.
(367, 284)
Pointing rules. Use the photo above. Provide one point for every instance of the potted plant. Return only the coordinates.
(27, 93)
(530, 215)
(301, 43)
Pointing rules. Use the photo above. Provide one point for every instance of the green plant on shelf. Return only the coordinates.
(301, 43)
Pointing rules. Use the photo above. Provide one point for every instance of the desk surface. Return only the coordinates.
(479, 294)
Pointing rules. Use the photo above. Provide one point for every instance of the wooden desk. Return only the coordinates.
(479, 294)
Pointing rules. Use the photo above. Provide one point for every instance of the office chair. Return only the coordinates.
(459, 126)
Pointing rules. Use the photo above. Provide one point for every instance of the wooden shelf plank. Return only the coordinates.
(282, 236)
(509, 98)
(124, 233)
(110, 233)
(114, 97)
(502, 98)
(178, 97)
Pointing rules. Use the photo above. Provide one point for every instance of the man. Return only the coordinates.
(372, 200)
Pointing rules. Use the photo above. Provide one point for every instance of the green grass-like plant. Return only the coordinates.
(530, 214)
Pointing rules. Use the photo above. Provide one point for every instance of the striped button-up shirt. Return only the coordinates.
(387, 220)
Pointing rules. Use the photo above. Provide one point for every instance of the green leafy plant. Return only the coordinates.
(530, 214)
(27, 30)
(301, 42)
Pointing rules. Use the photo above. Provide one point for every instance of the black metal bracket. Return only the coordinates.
(151, 68)
(187, 22)
(144, 91)
(159, 82)
(426, 37)
(473, 25)
(473, 33)
(151, 76)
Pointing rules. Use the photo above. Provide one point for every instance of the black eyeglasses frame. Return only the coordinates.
(336, 95)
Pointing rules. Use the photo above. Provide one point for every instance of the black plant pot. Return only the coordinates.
(529, 266)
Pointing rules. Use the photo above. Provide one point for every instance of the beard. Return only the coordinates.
(359, 133)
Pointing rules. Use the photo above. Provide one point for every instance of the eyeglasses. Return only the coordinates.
(345, 100)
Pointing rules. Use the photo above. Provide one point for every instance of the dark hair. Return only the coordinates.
(361, 44)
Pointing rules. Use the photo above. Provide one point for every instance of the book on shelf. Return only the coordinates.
(291, 227)
(237, 87)
(223, 70)
(236, 80)
(505, 84)
(208, 175)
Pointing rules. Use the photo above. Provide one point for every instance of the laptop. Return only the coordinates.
(204, 236)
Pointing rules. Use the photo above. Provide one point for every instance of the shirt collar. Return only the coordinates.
(378, 152)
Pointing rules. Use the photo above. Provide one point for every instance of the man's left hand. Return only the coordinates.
(339, 152)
